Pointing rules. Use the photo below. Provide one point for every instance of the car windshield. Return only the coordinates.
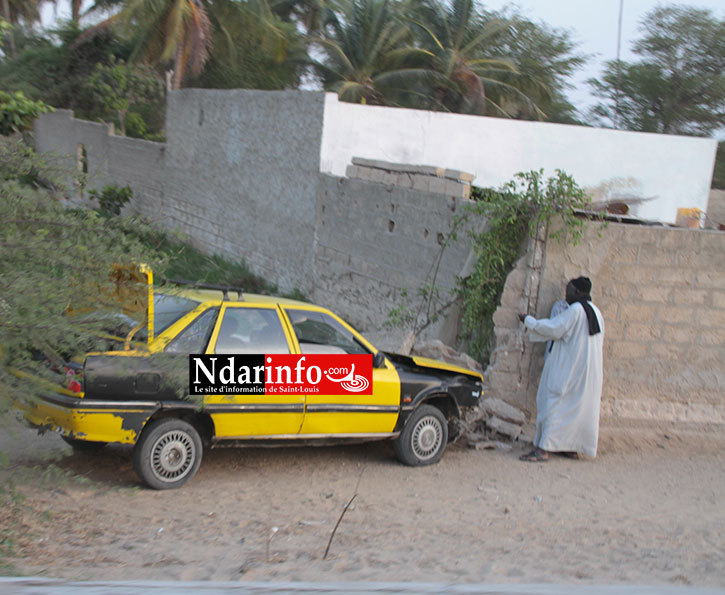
(170, 308)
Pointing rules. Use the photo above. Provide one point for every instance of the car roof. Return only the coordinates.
(215, 295)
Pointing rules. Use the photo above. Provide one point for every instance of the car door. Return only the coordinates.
(316, 330)
(253, 329)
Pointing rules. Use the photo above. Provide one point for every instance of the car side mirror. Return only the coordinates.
(379, 360)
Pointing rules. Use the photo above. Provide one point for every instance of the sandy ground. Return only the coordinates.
(649, 510)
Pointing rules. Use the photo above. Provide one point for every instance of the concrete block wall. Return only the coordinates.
(662, 294)
(110, 159)
(373, 240)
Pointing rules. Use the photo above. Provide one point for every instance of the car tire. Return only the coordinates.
(167, 454)
(83, 446)
(423, 438)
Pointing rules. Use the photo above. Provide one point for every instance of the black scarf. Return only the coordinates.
(591, 316)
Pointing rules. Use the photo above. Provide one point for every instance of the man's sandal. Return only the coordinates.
(535, 456)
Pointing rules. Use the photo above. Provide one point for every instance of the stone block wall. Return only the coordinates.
(662, 295)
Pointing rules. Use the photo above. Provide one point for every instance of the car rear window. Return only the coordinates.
(170, 308)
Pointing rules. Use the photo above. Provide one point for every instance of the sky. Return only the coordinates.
(592, 23)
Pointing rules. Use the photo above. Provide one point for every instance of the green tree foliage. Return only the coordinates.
(518, 208)
(118, 86)
(56, 68)
(51, 259)
(253, 48)
(448, 56)
(459, 40)
(544, 59)
(678, 85)
(17, 112)
(718, 176)
(367, 51)
(175, 33)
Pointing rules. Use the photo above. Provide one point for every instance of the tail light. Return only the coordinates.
(74, 377)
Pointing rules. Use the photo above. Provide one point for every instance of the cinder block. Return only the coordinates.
(437, 185)
(420, 182)
(718, 299)
(624, 253)
(639, 314)
(715, 279)
(389, 178)
(365, 173)
(654, 294)
(654, 256)
(675, 276)
(351, 171)
(613, 330)
(675, 314)
(714, 336)
(628, 350)
(668, 350)
(637, 274)
(680, 334)
(363, 162)
(642, 332)
(689, 296)
(710, 318)
(455, 189)
(404, 180)
(455, 174)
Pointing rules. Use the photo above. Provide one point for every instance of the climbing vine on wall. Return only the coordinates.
(512, 212)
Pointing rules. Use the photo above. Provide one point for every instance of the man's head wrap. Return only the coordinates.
(582, 284)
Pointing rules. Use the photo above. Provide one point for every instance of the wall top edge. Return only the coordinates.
(332, 98)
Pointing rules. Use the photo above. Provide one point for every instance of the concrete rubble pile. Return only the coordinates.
(495, 424)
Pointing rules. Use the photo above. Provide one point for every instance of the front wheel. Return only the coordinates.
(423, 438)
(167, 454)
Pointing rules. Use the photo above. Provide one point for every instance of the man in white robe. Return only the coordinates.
(570, 387)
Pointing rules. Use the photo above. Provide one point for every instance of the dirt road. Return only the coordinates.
(648, 510)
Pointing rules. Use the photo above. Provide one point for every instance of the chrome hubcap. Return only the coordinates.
(427, 438)
(172, 456)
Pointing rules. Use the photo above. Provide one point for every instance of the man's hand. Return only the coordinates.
(522, 317)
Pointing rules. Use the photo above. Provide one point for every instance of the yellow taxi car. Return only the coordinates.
(126, 397)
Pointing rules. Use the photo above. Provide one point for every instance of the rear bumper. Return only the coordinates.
(85, 419)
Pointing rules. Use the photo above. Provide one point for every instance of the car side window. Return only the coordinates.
(318, 332)
(251, 330)
(195, 337)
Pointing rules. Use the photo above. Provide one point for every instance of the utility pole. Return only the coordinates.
(619, 66)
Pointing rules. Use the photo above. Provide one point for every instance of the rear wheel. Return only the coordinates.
(167, 454)
(423, 438)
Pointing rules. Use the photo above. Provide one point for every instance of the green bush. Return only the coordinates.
(17, 112)
(111, 199)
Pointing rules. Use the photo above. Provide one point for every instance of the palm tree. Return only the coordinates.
(175, 33)
(368, 54)
(253, 48)
(458, 40)
(20, 11)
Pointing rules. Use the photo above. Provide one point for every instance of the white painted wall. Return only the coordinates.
(675, 170)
